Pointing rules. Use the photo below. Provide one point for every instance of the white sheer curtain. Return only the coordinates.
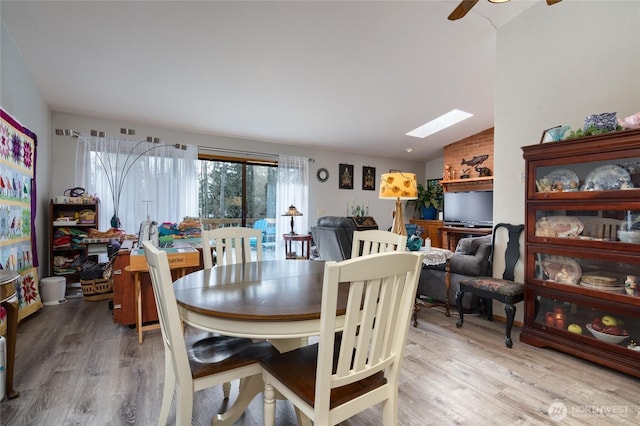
(293, 189)
(133, 177)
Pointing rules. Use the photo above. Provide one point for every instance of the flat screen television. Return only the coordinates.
(470, 208)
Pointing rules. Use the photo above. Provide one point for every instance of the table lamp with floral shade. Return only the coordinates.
(292, 211)
(398, 186)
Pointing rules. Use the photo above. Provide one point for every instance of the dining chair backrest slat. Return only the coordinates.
(231, 245)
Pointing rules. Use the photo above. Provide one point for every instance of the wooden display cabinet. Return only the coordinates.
(582, 248)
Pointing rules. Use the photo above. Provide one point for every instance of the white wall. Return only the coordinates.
(557, 65)
(20, 97)
(326, 199)
(433, 169)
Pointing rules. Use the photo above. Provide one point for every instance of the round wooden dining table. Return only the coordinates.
(275, 300)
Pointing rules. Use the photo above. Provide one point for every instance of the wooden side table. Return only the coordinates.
(305, 241)
(9, 301)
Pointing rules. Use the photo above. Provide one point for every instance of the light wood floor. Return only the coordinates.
(76, 367)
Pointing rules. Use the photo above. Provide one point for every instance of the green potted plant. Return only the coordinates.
(429, 200)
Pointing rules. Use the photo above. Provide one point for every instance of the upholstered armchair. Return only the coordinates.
(333, 237)
(471, 259)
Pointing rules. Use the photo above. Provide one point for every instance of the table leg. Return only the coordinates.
(447, 285)
(414, 317)
(136, 279)
(11, 306)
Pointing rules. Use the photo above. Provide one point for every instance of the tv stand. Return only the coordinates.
(452, 234)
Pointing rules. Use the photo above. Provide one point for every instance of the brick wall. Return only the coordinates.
(478, 144)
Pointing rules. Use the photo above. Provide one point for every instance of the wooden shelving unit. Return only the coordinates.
(62, 256)
(579, 266)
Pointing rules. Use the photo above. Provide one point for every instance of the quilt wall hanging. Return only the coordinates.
(17, 211)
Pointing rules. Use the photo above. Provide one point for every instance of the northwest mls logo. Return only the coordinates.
(557, 411)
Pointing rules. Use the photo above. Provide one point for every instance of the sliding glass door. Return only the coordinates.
(236, 192)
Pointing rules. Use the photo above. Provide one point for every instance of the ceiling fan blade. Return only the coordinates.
(552, 2)
(462, 9)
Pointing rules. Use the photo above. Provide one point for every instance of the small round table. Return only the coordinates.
(9, 301)
(305, 240)
(436, 256)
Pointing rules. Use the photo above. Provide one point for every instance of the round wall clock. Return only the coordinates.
(322, 174)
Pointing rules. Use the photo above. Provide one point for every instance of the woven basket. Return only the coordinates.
(92, 287)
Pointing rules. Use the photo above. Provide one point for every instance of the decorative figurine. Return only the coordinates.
(631, 285)
(478, 159)
(483, 171)
(557, 133)
(630, 122)
(562, 276)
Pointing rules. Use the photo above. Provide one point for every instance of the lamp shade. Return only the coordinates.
(292, 211)
(398, 185)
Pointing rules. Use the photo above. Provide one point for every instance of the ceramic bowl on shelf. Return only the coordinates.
(609, 338)
(629, 236)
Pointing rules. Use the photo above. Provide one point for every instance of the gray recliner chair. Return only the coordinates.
(333, 237)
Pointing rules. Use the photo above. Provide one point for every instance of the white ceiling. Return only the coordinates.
(349, 76)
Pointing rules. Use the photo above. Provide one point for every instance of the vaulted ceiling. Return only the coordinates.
(350, 76)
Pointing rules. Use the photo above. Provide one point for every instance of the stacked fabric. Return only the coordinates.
(190, 227)
(68, 238)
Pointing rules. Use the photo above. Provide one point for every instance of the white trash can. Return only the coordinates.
(52, 290)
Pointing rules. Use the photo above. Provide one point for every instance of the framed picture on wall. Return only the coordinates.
(345, 176)
(434, 189)
(368, 178)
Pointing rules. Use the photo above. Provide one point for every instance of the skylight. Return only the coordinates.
(449, 119)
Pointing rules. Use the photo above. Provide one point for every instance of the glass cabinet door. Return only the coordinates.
(584, 224)
(588, 272)
(581, 176)
(607, 326)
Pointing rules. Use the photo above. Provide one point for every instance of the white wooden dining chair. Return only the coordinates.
(339, 377)
(197, 363)
(376, 241)
(232, 245)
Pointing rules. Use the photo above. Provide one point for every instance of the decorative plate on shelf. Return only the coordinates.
(561, 269)
(564, 180)
(610, 289)
(602, 282)
(607, 178)
(599, 279)
(559, 226)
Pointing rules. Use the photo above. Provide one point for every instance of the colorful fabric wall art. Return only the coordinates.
(17, 211)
